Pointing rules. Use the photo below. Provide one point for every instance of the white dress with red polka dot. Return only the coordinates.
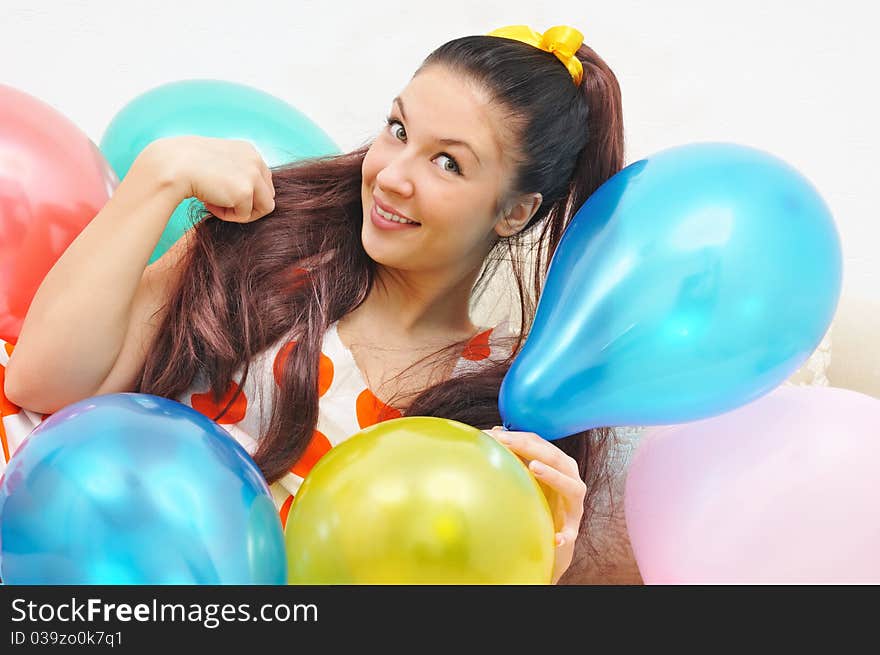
(346, 405)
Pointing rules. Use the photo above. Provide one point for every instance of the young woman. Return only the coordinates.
(335, 293)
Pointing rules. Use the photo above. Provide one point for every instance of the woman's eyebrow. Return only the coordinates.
(449, 142)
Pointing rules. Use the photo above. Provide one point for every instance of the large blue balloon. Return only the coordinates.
(690, 283)
(212, 108)
(136, 489)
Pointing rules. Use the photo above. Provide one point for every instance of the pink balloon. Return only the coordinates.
(783, 490)
(53, 180)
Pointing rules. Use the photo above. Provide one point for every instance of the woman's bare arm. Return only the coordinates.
(87, 326)
(96, 313)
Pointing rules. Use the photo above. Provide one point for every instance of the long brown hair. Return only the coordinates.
(303, 267)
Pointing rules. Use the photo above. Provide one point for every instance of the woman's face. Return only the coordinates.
(439, 162)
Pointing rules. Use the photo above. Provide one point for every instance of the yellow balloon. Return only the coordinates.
(420, 500)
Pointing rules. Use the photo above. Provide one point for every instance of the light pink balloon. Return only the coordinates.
(783, 490)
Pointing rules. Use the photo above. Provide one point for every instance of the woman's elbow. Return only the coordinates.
(23, 392)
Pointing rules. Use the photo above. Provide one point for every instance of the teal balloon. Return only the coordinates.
(690, 283)
(212, 108)
(136, 489)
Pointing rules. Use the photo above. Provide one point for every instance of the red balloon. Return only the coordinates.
(53, 180)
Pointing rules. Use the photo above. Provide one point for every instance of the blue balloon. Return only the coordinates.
(136, 489)
(689, 284)
(211, 108)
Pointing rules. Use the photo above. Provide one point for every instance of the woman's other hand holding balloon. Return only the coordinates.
(561, 482)
(228, 175)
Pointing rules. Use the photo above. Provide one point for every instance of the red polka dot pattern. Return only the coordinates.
(478, 347)
(325, 374)
(317, 448)
(6, 406)
(325, 368)
(6, 409)
(281, 360)
(5, 443)
(370, 410)
(205, 403)
(285, 510)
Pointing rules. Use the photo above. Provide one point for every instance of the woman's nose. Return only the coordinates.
(395, 177)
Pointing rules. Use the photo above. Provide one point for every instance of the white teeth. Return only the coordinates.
(392, 217)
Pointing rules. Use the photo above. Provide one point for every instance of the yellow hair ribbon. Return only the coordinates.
(562, 41)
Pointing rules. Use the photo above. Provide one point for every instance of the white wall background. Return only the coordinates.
(796, 79)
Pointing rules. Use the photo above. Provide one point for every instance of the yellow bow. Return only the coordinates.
(562, 41)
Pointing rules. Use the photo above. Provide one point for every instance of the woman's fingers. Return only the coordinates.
(556, 471)
(241, 203)
(246, 209)
(264, 191)
(267, 176)
(572, 490)
(530, 446)
(264, 203)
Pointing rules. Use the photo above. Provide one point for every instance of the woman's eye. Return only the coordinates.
(449, 160)
(391, 122)
(450, 166)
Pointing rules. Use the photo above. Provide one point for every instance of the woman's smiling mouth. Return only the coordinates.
(386, 218)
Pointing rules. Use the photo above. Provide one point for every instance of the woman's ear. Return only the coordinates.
(518, 215)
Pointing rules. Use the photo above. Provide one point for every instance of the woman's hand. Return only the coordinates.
(560, 480)
(228, 175)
